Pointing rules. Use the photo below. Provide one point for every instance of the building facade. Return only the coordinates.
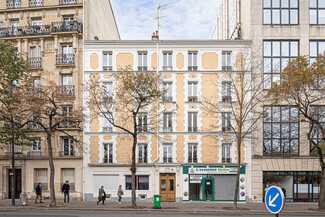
(281, 30)
(49, 34)
(192, 156)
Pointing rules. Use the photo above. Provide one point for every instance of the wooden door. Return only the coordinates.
(167, 187)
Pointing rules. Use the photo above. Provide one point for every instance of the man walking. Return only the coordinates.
(65, 190)
(38, 191)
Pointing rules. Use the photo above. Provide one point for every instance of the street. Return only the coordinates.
(67, 213)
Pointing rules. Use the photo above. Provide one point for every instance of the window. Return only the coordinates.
(280, 12)
(281, 131)
(67, 111)
(168, 86)
(316, 11)
(192, 153)
(141, 182)
(316, 48)
(14, 24)
(68, 23)
(41, 177)
(68, 175)
(192, 61)
(66, 54)
(226, 153)
(107, 62)
(107, 92)
(226, 91)
(318, 112)
(226, 61)
(192, 92)
(142, 61)
(68, 149)
(226, 121)
(142, 122)
(276, 56)
(142, 153)
(167, 153)
(192, 122)
(36, 144)
(168, 66)
(108, 153)
(107, 123)
(13, 4)
(35, 59)
(36, 120)
(168, 122)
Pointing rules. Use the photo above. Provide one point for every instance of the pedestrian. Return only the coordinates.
(38, 190)
(101, 195)
(65, 190)
(284, 191)
(119, 194)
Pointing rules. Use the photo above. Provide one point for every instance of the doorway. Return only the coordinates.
(208, 189)
(167, 187)
(17, 183)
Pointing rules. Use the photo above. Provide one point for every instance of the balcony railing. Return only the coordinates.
(168, 159)
(67, 90)
(68, 124)
(12, 4)
(35, 3)
(168, 99)
(40, 154)
(192, 129)
(23, 31)
(142, 68)
(67, 2)
(107, 160)
(65, 59)
(107, 129)
(192, 98)
(35, 62)
(142, 160)
(192, 68)
(167, 68)
(226, 68)
(168, 129)
(226, 99)
(66, 154)
(107, 68)
(226, 160)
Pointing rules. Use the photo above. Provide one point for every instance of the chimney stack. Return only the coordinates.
(155, 36)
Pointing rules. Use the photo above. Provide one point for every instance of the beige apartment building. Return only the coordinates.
(280, 30)
(192, 156)
(49, 34)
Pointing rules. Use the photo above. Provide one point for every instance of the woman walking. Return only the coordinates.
(119, 194)
(101, 195)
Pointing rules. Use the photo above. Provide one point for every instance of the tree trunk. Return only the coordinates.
(238, 173)
(13, 172)
(321, 201)
(133, 171)
(52, 190)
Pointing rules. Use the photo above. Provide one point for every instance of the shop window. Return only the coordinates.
(282, 12)
(142, 153)
(192, 153)
(276, 55)
(141, 182)
(316, 11)
(108, 153)
(318, 113)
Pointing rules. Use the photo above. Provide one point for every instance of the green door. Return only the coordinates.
(208, 189)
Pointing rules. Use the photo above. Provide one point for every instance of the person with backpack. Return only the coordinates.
(65, 190)
(101, 195)
(38, 190)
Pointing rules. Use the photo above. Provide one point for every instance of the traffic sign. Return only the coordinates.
(274, 199)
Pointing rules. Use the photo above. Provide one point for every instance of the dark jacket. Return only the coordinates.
(38, 190)
(101, 194)
(65, 188)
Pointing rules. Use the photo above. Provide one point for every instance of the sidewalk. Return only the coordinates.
(165, 207)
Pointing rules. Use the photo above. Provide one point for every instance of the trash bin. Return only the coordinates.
(23, 199)
(157, 201)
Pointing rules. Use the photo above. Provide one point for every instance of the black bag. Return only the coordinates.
(122, 193)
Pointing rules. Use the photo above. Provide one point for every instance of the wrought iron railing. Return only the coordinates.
(65, 59)
(35, 3)
(192, 68)
(67, 2)
(12, 4)
(67, 26)
(67, 90)
(107, 68)
(35, 62)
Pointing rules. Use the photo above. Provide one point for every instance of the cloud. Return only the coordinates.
(183, 19)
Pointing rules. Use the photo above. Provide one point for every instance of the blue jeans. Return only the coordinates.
(65, 197)
(119, 198)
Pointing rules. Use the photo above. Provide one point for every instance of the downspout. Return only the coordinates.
(157, 104)
(83, 67)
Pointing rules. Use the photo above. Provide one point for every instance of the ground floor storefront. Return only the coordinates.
(212, 183)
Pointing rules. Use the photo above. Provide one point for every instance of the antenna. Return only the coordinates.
(158, 16)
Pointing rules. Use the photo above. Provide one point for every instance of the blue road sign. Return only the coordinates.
(274, 199)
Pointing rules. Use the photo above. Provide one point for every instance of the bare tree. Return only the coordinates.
(123, 106)
(238, 108)
(51, 110)
(302, 86)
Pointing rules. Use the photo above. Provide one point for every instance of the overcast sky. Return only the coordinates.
(185, 19)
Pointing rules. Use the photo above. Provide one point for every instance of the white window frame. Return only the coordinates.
(143, 149)
(107, 61)
(110, 152)
(192, 121)
(36, 144)
(169, 153)
(168, 122)
(193, 152)
(226, 153)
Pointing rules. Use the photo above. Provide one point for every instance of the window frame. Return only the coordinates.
(281, 9)
(108, 153)
(192, 87)
(192, 58)
(168, 86)
(192, 153)
(142, 122)
(143, 149)
(168, 122)
(128, 184)
(317, 9)
(226, 91)
(192, 121)
(168, 158)
(317, 136)
(71, 148)
(37, 142)
(317, 49)
(226, 61)
(226, 159)
(142, 61)
(168, 61)
(108, 59)
(226, 121)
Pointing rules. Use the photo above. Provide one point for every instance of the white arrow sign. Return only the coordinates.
(271, 201)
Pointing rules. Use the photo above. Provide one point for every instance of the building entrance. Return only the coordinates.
(17, 184)
(167, 187)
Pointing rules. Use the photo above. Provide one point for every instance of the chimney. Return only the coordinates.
(155, 36)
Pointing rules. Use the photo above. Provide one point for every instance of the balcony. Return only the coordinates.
(54, 27)
(67, 2)
(13, 4)
(67, 90)
(68, 124)
(226, 99)
(167, 68)
(35, 3)
(142, 68)
(192, 98)
(35, 62)
(192, 68)
(107, 68)
(65, 59)
(226, 68)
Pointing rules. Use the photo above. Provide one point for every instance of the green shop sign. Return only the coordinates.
(216, 170)
(196, 178)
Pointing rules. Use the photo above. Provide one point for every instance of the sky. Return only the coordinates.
(183, 19)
